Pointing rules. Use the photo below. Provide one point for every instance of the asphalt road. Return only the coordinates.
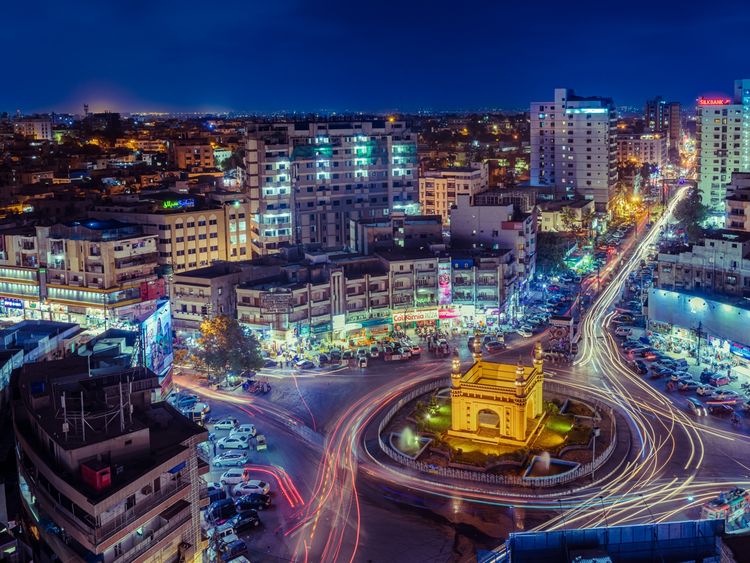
(332, 502)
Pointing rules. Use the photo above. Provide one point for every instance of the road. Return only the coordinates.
(319, 436)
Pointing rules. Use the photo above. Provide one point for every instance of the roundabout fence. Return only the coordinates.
(506, 480)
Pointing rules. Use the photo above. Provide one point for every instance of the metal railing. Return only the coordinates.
(147, 543)
(506, 480)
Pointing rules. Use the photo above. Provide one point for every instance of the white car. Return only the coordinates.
(228, 423)
(246, 430)
(623, 331)
(234, 476)
(251, 487)
(523, 332)
(230, 459)
(232, 443)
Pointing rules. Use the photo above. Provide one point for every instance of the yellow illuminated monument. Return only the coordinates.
(496, 403)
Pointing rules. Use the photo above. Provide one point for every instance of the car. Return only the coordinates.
(232, 443)
(631, 344)
(648, 354)
(696, 407)
(234, 476)
(255, 501)
(725, 396)
(233, 550)
(220, 511)
(269, 364)
(687, 385)
(718, 380)
(244, 519)
(335, 355)
(215, 492)
(362, 353)
(640, 366)
(304, 364)
(523, 332)
(347, 355)
(223, 533)
(374, 352)
(230, 459)
(324, 359)
(415, 350)
(495, 346)
(705, 390)
(244, 430)
(720, 409)
(623, 331)
(250, 487)
(228, 423)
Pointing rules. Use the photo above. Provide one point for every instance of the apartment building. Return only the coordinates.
(189, 154)
(664, 117)
(723, 134)
(346, 295)
(192, 231)
(738, 202)
(719, 264)
(37, 128)
(86, 271)
(397, 230)
(438, 188)
(573, 145)
(105, 474)
(210, 291)
(642, 148)
(307, 180)
(478, 222)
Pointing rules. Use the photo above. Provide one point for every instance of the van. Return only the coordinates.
(234, 549)
(696, 407)
(224, 533)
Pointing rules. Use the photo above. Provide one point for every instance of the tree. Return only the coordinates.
(551, 250)
(690, 213)
(225, 347)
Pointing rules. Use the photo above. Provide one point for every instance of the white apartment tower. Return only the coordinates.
(307, 180)
(723, 131)
(573, 145)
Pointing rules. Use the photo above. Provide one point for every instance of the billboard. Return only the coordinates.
(418, 316)
(444, 283)
(156, 339)
(274, 303)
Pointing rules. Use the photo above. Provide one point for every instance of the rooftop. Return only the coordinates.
(493, 374)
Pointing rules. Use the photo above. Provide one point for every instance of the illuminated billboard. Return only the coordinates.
(156, 339)
(444, 283)
(715, 101)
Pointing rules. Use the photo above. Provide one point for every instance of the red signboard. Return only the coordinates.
(714, 101)
(153, 290)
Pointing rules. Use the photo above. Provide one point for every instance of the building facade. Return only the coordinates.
(307, 180)
(116, 474)
(573, 145)
(39, 129)
(438, 188)
(480, 223)
(723, 135)
(189, 154)
(564, 215)
(738, 202)
(642, 148)
(664, 117)
(86, 272)
(397, 230)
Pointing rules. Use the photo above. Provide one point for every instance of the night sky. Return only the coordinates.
(306, 55)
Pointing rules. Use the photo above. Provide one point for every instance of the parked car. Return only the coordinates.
(244, 519)
(230, 459)
(523, 332)
(687, 385)
(415, 350)
(623, 331)
(705, 390)
(335, 355)
(304, 364)
(215, 492)
(233, 550)
(495, 346)
(255, 501)
(374, 352)
(696, 407)
(250, 487)
(641, 367)
(247, 430)
(720, 409)
(648, 354)
(220, 511)
(234, 476)
(324, 359)
(269, 363)
(228, 423)
(232, 443)
(725, 396)
(223, 533)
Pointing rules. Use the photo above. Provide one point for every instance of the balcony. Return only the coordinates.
(397, 288)
(426, 283)
(402, 273)
(169, 523)
(487, 282)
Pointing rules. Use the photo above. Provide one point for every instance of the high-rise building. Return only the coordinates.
(723, 132)
(438, 188)
(661, 116)
(105, 473)
(573, 145)
(642, 148)
(307, 180)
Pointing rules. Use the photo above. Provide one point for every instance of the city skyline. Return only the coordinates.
(350, 57)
